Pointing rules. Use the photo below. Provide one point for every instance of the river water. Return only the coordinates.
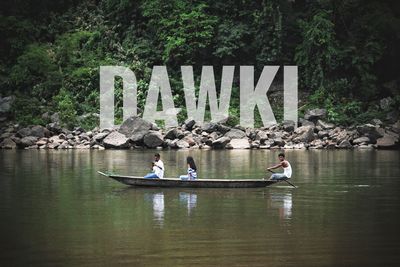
(55, 210)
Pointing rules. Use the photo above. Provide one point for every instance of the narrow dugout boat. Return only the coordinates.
(199, 183)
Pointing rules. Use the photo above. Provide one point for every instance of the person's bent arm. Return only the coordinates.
(275, 167)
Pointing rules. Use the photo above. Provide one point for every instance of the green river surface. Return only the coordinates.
(55, 210)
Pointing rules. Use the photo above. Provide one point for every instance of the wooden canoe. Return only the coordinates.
(199, 183)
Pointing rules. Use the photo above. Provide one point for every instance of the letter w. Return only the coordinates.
(207, 87)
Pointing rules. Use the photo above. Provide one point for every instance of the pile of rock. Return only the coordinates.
(313, 133)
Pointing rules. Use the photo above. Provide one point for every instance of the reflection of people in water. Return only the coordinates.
(190, 199)
(283, 202)
(158, 206)
(191, 171)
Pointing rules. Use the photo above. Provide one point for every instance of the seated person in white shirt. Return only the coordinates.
(158, 168)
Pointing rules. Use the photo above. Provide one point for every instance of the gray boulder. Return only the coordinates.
(238, 144)
(304, 134)
(24, 132)
(153, 139)
(376, 122)
(54, 127)
(303, 122)
(8, 143)
(315, 114)
(189, 123)
(261, 136)
(387, 141)
(116, 140)
(220, 142)
(98, 137)
(210, 127)
(288, 126)
(323, 133)
(182, 144)
(361, 140)
(278, 142)
(28, 141)
(40, 131)
(235, 134)
(174, 133)
(370, 131)
(223, 128)
(325, 125)
(135, 128)
(345, 144)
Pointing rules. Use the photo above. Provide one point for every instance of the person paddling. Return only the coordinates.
(191, 171)
(158, 168)
(287, 169)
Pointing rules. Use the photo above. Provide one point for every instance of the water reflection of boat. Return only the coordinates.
(200, 183)
(190, 199)
(283, 202)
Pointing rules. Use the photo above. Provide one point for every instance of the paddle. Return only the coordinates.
(285, 180)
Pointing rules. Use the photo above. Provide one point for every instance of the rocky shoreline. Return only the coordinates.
(313, 133)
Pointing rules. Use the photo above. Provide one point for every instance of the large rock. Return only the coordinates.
(54, 127)
(220, 142)
(98, 137)
(261, 136)
(288, 126)
(174, 133)
(369, 130)
(182, 144)
(278, 141)
(303, 122)
(8, 143)
(153, 139)
(223, 128)
(24, 132)
(361, 140)
(387, 141)
(189, 123)
(238, 144)
(235, 134)
(325, 125)
(28, 141)
(210, 127)
(345, 144)
(40, 131)
(315, 114)
(304, 134)
(116, 140)
(5, 104)
(135, 128)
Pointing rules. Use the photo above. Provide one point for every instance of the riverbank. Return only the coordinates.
(312, 133)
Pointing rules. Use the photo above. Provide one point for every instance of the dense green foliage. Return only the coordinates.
(50, 53)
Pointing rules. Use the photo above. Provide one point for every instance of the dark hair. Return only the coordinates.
(281, 155)
(157, 155)
(190, 161)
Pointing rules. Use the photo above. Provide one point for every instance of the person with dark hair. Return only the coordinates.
(287, 169)
(191, 171)
(158, 168)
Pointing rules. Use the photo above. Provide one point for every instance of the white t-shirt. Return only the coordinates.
(159, 168)
(288, 170)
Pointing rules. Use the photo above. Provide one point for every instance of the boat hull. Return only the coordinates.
(199, 183)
